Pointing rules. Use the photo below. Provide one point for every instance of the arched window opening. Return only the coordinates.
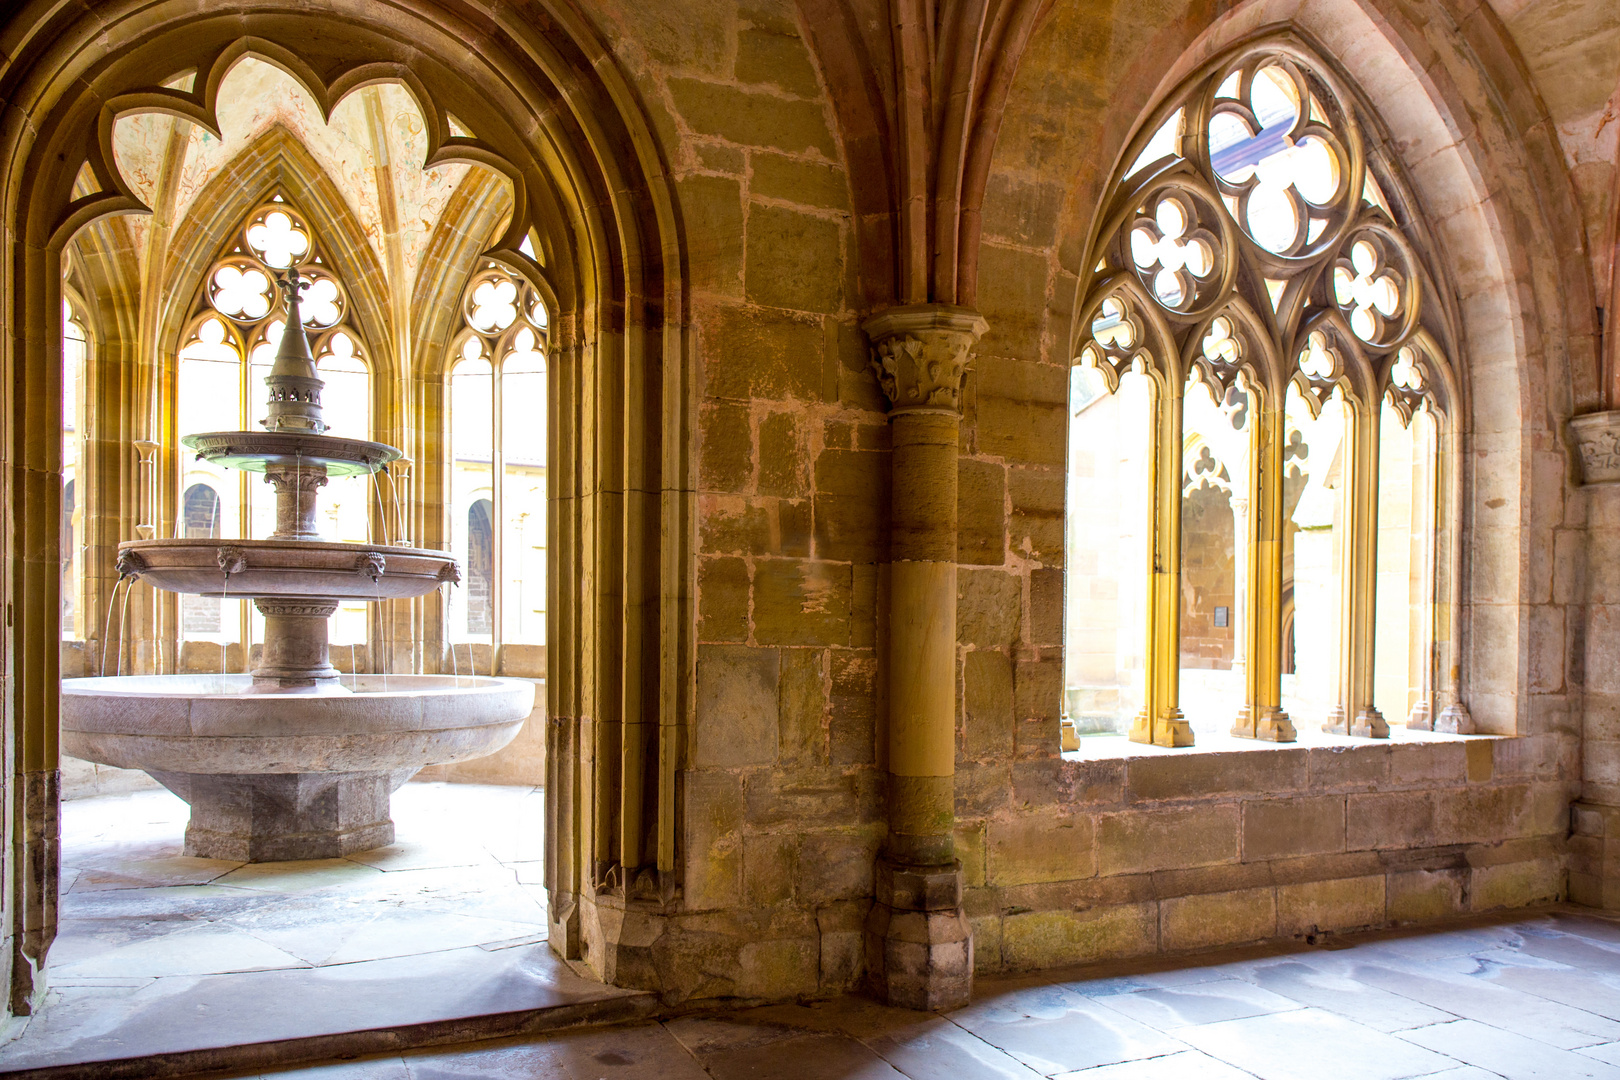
(498, 463)
(480, 568)
(1263, 269)
(200, 518)
(234, 333)
(75, 355)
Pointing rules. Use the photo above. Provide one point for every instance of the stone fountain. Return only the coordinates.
(295, 760)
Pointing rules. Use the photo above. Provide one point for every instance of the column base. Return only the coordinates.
(1171, 729)
(1271, 725)
(1420, 718)
(279, 817)
(1370, 725)
(1594, 855)
(919, 946)
(1456, 720)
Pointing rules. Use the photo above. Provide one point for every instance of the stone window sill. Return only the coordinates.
(1110, 747)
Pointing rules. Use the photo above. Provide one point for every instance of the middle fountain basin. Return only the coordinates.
(287, 568)
(217, 724)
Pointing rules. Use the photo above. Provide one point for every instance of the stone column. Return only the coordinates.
(919, 944)
(1594, 865)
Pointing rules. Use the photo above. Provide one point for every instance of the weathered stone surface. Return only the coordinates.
(1164, 839)
(852, 491)
(750, 353)
(1040, 939)
(784, 467)
(809, 183)
(714, 209)
(981, 513)
(987, 705)
(737, 699)
(1283, 828)
(723, 599)
(802, 708)
(1346, 904)
(752, 119)
(801, 602)
(1034, 848)
(788, 260)
(1426, 895)
(769, 56)
(987, 607)
(1229, 918)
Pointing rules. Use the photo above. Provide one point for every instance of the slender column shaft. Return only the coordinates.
(922, 639)
(1161, 721)
(1262, 715)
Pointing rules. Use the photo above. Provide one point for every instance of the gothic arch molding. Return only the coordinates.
(550, 112)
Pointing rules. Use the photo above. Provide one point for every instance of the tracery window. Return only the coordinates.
(497, 442)
(1262, 356)
(226, 351)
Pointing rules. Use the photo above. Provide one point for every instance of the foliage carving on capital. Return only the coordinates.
(920, 354)
(1597, 437)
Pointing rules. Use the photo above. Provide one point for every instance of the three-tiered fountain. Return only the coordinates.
(296, 760)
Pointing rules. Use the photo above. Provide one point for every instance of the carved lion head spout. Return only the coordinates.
(451, 572)
(371, 564)
(129, 564)
(232, 560)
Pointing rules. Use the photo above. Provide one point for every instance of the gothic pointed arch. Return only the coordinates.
(543, 103)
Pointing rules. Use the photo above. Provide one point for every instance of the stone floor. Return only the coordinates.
(157, 952)
(1536, 998)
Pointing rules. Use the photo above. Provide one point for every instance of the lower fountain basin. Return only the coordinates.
(287, 568)
(217, 724)
(273, 777)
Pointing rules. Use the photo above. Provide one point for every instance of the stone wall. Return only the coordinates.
(1103, 859)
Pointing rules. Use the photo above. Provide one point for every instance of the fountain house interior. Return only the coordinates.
(607, 507)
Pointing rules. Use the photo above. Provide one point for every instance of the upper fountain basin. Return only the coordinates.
(256, 451)
(287, 568)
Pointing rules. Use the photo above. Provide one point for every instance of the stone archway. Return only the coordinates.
(552, 115)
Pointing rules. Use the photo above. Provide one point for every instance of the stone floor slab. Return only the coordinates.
(1320, 981)
(1312, 1044)
(1197, 1003)
(803, 1057)
(1186, 1065)
(1508, 1054)
(1053, 1030)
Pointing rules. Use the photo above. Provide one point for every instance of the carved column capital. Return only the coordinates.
(920, 354)
(1596, 437)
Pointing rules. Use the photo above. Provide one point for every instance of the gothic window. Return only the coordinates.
(227, 350)
(75, 354)
(498, 462)
(1260, 272)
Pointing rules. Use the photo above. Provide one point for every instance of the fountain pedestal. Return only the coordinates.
(285, 816)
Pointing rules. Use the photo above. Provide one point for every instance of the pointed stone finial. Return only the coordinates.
(295, 385)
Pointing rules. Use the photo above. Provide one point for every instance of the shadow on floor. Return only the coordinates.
(1533, 997)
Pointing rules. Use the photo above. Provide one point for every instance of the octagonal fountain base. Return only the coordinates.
(277, 817)
(274, 776)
